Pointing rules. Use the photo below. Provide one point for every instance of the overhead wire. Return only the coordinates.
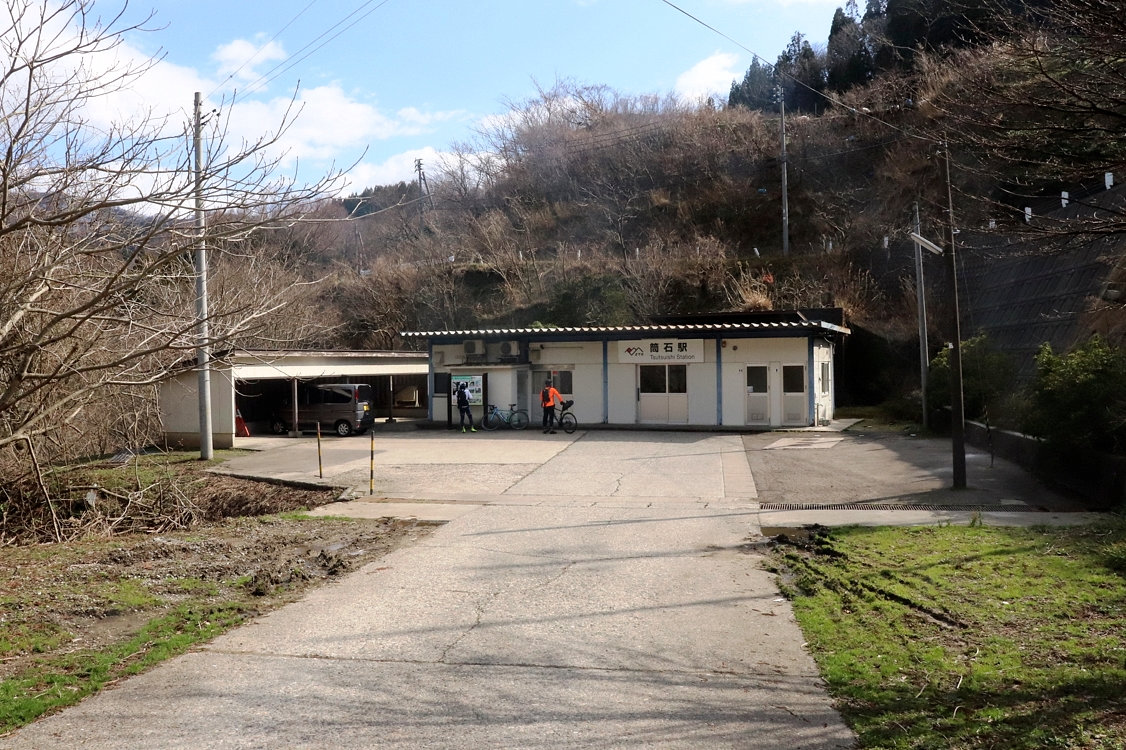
(262, 48)
(314, 45)
(796, 80)
(834, 100)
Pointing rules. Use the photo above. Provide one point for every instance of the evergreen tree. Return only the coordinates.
(756, 90)
(849, 59)
(803, 76)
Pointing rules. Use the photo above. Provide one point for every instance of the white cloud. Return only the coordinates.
(711, 76)
(398, 168)
(328, 128)
(240, 58)
(326, 125)
(424, 121)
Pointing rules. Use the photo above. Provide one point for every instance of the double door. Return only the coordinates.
(776, 395)
(662, 394)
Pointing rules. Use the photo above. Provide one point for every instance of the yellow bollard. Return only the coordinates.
(371, 474)
(320, 462)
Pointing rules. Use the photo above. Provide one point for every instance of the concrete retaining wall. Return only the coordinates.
(1100, 482)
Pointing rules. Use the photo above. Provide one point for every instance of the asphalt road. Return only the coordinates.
(597, 590)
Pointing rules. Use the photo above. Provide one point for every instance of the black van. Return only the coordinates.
(346, 407)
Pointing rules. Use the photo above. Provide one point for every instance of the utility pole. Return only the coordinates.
(957, 406)
(921, 298)
(203, 353)
(423, 194)
(785, 188)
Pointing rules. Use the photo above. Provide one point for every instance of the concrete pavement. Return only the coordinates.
(596, 590)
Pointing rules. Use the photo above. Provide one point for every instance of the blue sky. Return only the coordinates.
(405, 79)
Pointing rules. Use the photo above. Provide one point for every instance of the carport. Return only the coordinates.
(252, 385)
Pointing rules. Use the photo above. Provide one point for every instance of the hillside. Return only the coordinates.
(584, 206)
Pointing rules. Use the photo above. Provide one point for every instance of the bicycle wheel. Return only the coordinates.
(491, 421)
(568, 423)
(519, 419)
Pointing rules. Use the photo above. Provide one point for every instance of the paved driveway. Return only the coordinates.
(783, 478)
(594, 590)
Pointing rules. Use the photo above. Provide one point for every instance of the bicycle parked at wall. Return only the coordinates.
(565, 419)
(515, 418)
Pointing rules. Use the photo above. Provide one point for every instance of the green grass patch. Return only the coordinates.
(303, 515)
(880, 418)
(141, 471)
(55, 682)
(126, 594)
(968, 637)
(32, 638)
(193, 586)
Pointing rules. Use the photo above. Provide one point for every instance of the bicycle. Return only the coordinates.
(515, 418)
(566, 419)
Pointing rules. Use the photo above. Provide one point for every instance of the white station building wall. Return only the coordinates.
(761, 382)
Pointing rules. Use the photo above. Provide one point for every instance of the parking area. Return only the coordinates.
(788, 478)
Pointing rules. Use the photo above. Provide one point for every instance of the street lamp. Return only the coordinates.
(957, 407)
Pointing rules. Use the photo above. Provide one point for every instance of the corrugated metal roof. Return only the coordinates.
(680, 328)
(296, 363)
(285, 370)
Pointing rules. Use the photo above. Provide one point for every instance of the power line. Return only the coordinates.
(291, 61)
(798, 81)
(263, 47)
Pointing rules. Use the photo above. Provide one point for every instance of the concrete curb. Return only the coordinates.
(299, 484)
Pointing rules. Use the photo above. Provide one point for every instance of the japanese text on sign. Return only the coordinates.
(661, 350)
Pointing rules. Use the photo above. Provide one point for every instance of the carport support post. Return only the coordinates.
(390, 399)
(293, 431)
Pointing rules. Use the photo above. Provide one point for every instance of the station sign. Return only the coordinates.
(661, 350)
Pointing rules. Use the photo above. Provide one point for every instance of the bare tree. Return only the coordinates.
(1045, 104)
(96, 230)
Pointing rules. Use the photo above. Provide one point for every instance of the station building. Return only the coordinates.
(758, 370)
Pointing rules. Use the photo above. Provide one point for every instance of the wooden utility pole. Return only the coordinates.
(423, 194)
(785, 187)
(957, 406)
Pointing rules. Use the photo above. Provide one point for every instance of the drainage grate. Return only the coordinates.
(891, 506)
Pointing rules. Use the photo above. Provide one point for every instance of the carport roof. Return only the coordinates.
(247, 364)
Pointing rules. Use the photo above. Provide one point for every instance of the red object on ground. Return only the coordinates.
(241, 430)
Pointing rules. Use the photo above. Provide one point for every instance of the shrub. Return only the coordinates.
(987, 376)
(1079, 399)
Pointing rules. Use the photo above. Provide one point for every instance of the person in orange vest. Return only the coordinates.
(549, 397)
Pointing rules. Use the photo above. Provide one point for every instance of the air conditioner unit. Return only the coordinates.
(510, 348)
(474, 346)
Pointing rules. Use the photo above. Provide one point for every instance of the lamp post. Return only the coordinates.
(957, 407)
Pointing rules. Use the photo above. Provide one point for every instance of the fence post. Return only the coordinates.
(320, 461)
